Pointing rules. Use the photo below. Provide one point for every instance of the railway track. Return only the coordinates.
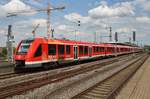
(13, 74)
(25, 85)
(109, 87)
(8, 75)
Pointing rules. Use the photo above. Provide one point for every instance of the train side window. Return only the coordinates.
(86, 50)
(117, 49)
(67, 49)
(111, 49)
(94, 49)
(80, 50)
(101, 49)
(51, 49)
(97, 49)
(38, 51)
(108, 49)
(61, 49)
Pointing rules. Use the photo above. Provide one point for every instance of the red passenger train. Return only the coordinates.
(41, 51)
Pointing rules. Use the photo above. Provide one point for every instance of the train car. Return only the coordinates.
(45, 52)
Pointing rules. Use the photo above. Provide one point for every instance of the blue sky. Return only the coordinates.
(124, 16)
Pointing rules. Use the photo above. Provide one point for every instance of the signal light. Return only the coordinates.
(79, 23)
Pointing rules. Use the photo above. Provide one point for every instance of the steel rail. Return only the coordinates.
(27, 85)
(43, 80)
(108, 88)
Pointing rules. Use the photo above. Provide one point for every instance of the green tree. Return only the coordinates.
(4, 51)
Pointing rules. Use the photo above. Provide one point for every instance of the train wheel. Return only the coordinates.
(45, 66)
(17, 70)
(50, 65)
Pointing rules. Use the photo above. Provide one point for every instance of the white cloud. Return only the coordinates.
(62, 27)
(143, 19)
(119, 16)
(85, 20)
(125, 30)
(103, 3)
(145, 4)
(41, 21)
(3, 12)
(103, 15)
(117, 10)
(30, 23)
(3, 31)
(74, 17)
(15, 6)
(23, 24)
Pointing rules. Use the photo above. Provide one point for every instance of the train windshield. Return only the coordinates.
(23, 48)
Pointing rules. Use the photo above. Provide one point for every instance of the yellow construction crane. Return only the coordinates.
(49, 9)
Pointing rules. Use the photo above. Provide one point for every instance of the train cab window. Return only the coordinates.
(86, 50)
(51, 49)
(80, 50)
(38, 51)
(61, 49)
(67, 49)
(24, 46)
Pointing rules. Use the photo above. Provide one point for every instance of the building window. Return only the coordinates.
(38, 51)
(67, 49)
(61, 49)
(51, 49)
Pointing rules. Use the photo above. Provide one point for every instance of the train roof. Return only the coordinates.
(72, 42)
(57, 41)
(125, 44)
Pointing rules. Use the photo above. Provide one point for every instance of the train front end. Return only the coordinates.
(22, 53)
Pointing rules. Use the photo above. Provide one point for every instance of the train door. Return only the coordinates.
(90, 51)
(105, 49)
(75, 52)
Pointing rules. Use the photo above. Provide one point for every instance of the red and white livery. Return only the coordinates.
(40, 51)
